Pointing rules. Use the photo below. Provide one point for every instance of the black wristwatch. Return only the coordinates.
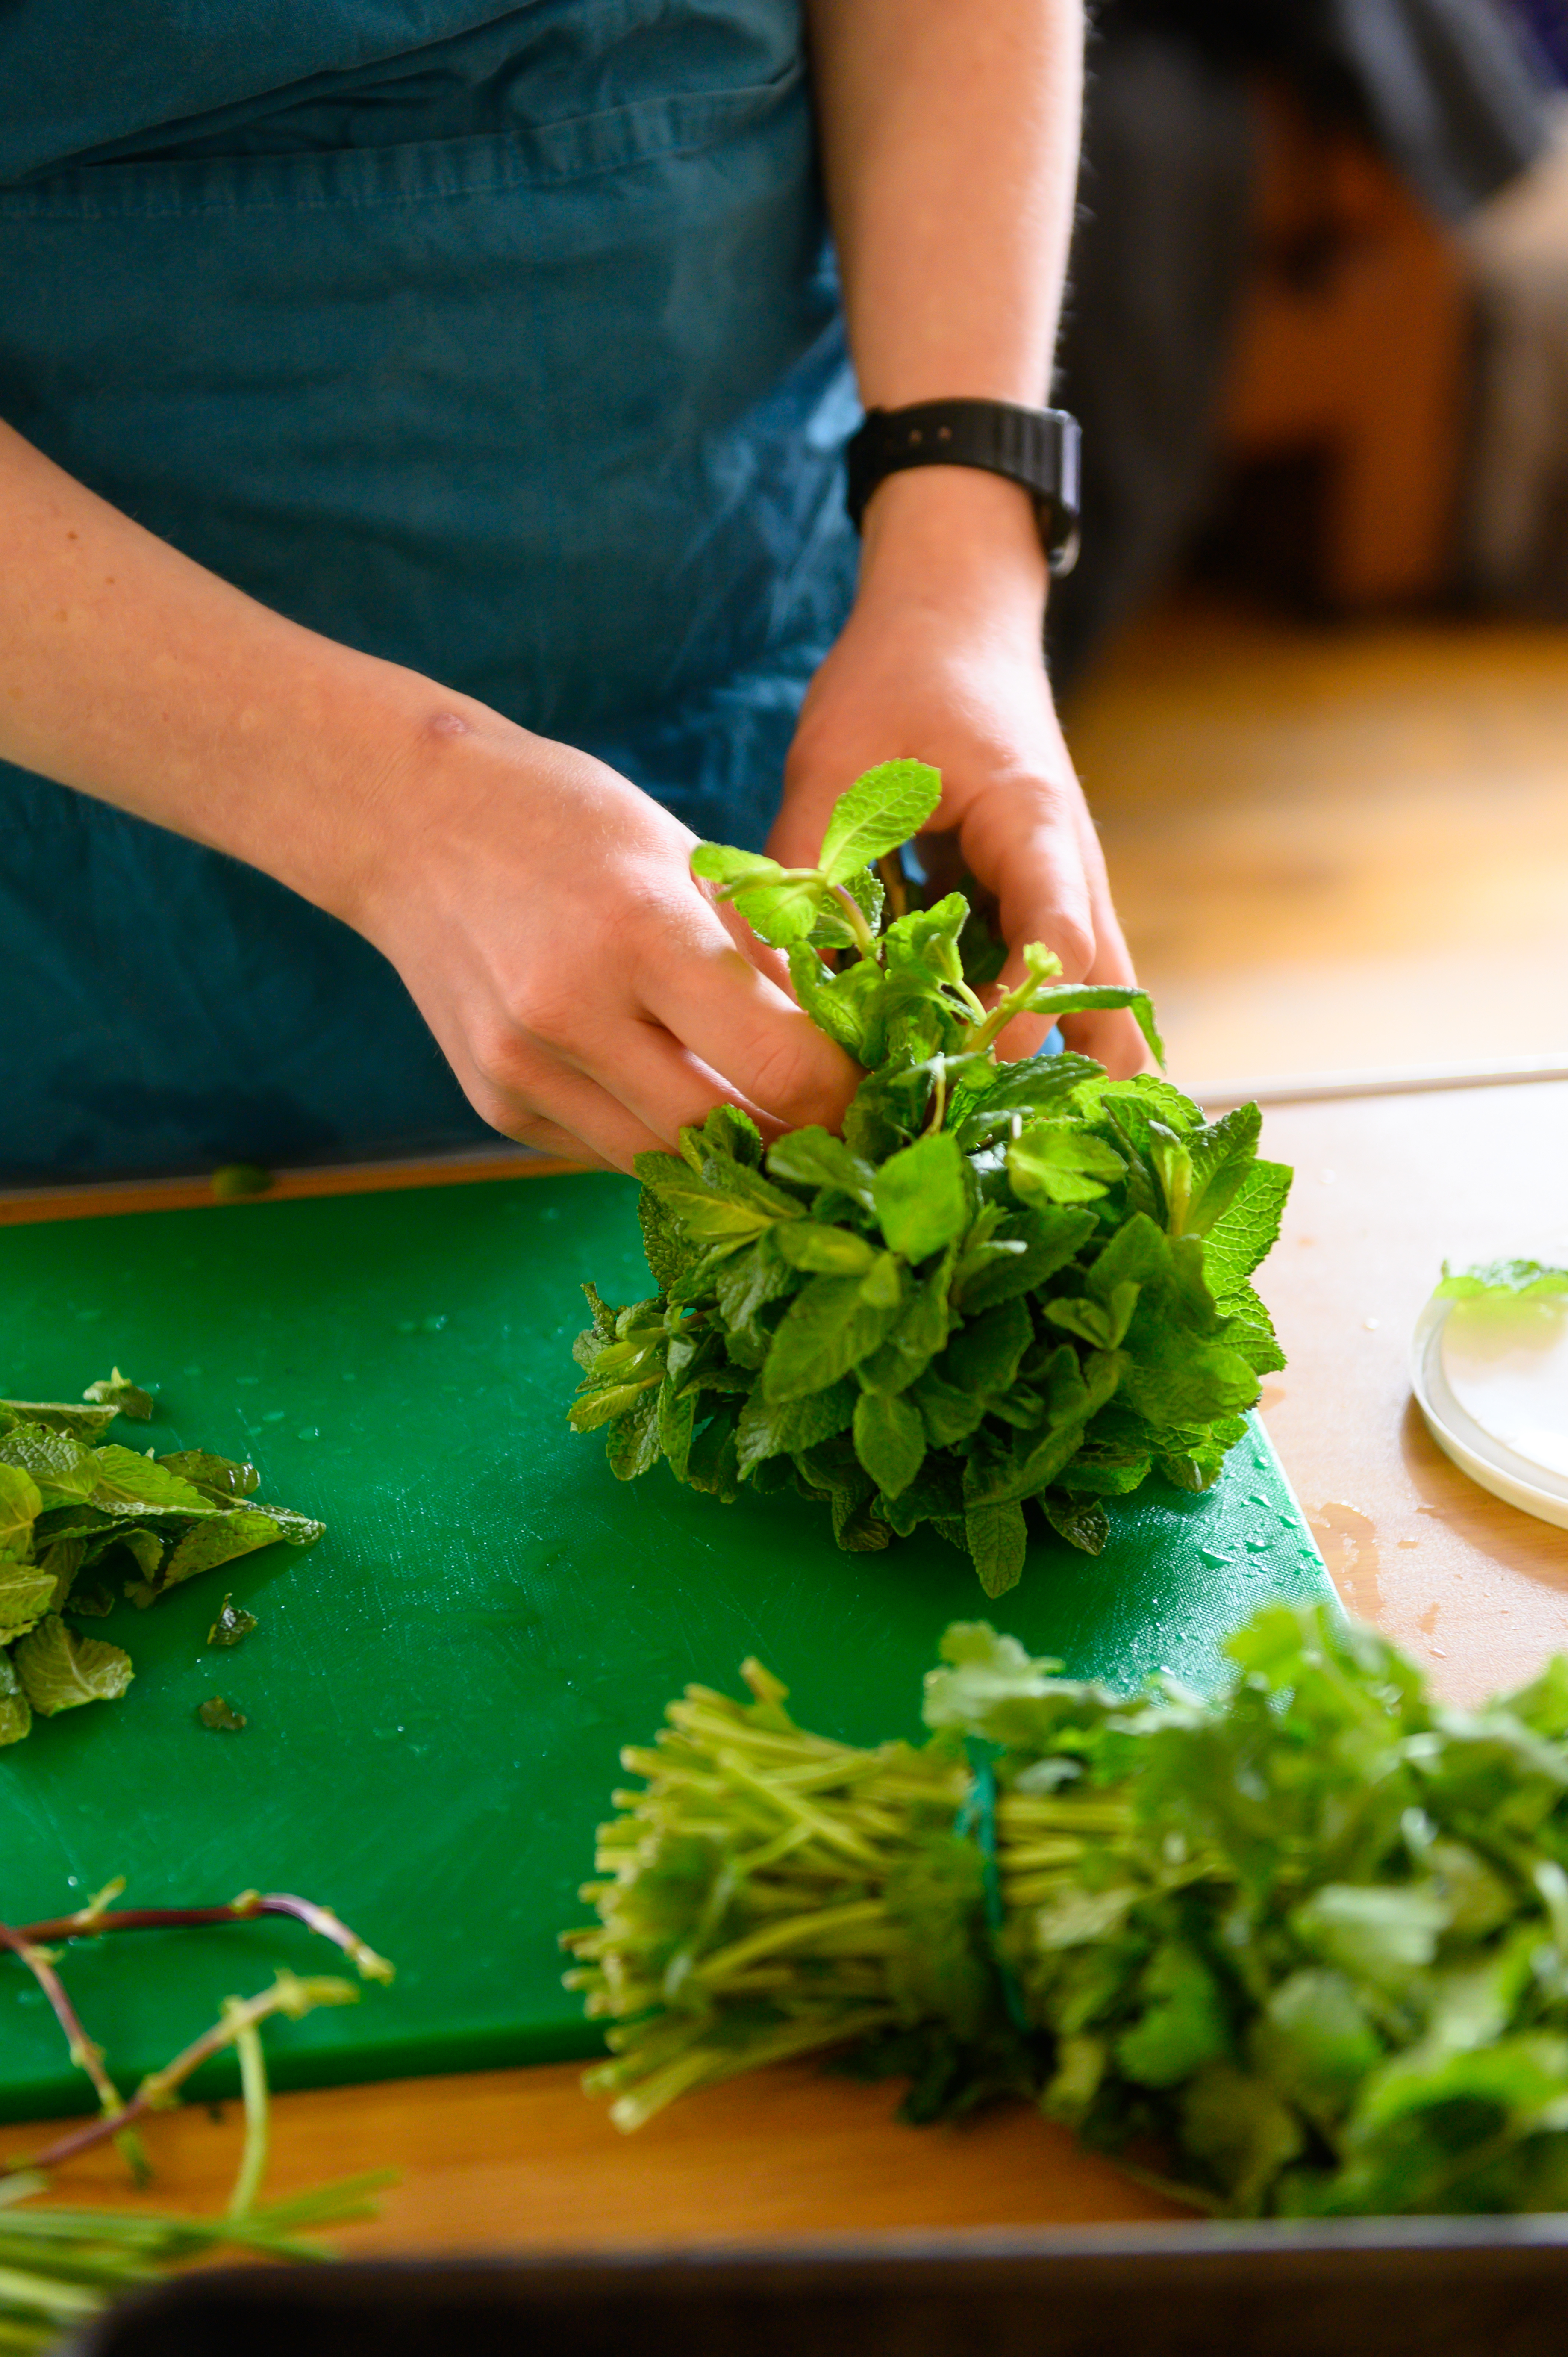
(1036, 448)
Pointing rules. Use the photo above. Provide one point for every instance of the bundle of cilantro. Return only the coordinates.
(1004, 1283)
(1304, 1947)
(68, 1502)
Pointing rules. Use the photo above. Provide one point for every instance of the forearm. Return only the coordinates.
(950, 133)
(136, 676)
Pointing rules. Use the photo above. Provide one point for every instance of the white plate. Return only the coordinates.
(1488, 1376)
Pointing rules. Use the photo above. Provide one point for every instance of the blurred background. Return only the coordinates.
(1314, 663)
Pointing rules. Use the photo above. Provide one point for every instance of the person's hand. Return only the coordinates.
(941, 661)
(588, 994)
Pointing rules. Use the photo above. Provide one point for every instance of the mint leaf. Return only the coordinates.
(1523, 1279)
(783, 912)
(783, 1427)
(1062, 1162)
(1222, 1156)
(814, 1157)
(27, 1592)
(701, 1209)
(1059, 998)
(828, 1326)
(889, 1440)
(20, 1506)
(222, 1479)
(719, 862)
(822, 995)
(828, 1251)
(15, 1713)
(1020, 1253)
(882, 810)
(920, 1197)
(118, 1392)
(1246, 1233)
(232, 1625)
(997, 1541)
(86, 1424)
(984, 1355)
(222, 1540)
(64, 1471)
(60, 1670)
(130, 1483)
(918, 1333)
(221, 1716)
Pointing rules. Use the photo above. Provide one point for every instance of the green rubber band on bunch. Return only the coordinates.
(976, 1822)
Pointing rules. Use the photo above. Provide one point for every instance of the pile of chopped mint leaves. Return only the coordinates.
(73, 1504)
(1300, 1950)
(1007, 1286)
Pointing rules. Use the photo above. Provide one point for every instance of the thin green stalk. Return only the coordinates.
(855, 917)
(253, 2090)
(289, 1995)
(85, 2054)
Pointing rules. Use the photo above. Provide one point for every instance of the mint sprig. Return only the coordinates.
(1009, 1288)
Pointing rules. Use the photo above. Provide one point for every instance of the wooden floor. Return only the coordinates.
(1337, 846)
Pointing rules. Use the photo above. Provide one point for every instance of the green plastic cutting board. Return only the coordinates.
(437, 1693)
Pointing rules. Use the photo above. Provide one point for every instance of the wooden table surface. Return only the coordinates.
(1386, 1187)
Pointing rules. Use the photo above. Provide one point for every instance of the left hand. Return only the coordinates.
(942, 661)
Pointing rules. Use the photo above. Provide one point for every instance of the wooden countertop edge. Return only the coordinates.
(22, 1205)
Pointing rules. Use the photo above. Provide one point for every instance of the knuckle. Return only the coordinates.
(539, 1009)
(1072, 938)
(786, 1074)
(505, 1062)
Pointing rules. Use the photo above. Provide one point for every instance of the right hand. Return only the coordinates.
(589, 995)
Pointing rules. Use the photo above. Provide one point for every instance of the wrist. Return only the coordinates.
(958, 534)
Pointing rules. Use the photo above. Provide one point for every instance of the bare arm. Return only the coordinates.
(589, 997)
(949, 131)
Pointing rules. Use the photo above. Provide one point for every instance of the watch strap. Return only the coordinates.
(1036, 448)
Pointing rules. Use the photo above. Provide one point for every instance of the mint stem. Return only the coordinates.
(289, 1995)
(86, 2055)
(855, 917)
(89, 1922)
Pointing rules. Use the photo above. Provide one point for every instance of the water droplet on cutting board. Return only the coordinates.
(1215, 1561)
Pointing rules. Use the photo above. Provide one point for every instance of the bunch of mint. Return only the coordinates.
(68, 1506)
(1005, 1283)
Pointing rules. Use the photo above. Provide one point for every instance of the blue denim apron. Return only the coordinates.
(505, 349)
